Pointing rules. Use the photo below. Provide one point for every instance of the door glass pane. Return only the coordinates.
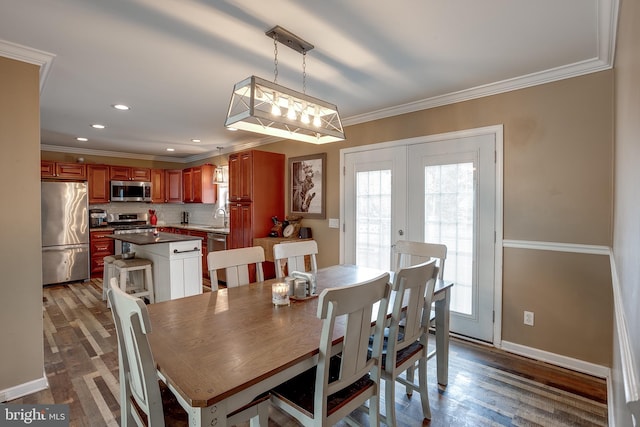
(373, 219)
(449, 219)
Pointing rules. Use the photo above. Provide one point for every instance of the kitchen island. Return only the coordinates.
(177, 266)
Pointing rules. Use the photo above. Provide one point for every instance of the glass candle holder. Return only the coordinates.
(280, 294)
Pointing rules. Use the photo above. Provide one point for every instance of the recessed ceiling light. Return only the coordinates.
(98, 126)
(195, 140)
(121, 107)
(171, 149)
(82, 139)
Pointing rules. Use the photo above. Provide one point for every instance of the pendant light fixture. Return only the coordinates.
(258, 105)
(219, 173)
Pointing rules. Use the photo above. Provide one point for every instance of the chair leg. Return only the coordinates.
(424, 389)
(409, 375)
(374, 409)
(390, 400)
(262, 420)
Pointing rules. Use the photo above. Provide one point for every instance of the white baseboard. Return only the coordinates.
(20, 390)
(557, 359)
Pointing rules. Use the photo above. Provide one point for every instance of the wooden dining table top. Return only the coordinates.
(214, 345)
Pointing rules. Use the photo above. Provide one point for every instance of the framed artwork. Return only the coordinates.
(307, 185)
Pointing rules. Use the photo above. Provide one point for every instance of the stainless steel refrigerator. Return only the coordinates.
(65, 232)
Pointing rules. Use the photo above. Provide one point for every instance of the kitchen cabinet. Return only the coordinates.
(126, 173)
(256, 193)
(98, 183)
(166, 186)
(100, 247)
(197, 184)
(63, 170)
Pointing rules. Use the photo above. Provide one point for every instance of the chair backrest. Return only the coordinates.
(356, 303)
(292, 255)
(411, 253)
(236, 263)
(413, 288)
(138, 376)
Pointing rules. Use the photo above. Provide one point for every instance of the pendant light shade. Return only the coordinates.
(260, 106)
(254, 99)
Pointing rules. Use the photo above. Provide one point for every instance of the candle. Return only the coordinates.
(280, 294)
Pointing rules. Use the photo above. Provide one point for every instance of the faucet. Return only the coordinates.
(224, 215)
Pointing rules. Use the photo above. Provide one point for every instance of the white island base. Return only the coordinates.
(177, 262)
(177, 268)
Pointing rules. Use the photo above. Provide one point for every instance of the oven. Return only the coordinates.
(127, 223)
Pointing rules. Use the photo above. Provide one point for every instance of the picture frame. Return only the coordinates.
(308, 186)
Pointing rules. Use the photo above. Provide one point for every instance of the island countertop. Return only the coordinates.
(150, 239)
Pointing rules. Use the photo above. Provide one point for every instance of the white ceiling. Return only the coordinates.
(176, 61)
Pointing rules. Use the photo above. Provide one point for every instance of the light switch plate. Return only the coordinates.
(334, 223)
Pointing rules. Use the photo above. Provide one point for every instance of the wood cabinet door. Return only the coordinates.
(246, 176)
(196, 182)
(157, 186)
(119, 173)
(234, 177)
(187, 185)
(98, 179)
(47, 169)
(240, 231)
(173, 186)
(140, 174)
(71, 171)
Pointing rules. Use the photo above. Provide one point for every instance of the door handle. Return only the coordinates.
(401, 232)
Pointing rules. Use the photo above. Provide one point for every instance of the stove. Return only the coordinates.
(128, 223)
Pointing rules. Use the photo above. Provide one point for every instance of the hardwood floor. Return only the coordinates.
(487, 387)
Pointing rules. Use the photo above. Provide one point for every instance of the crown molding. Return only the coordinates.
(32, 56)
(607, 28)
(89, 151)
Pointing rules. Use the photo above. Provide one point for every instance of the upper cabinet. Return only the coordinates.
(241, 176)
(62, 170)
(126, 173)
(166, 185)
(197, 184)
(98, 179)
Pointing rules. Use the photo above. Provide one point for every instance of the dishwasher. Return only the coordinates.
(218, 242)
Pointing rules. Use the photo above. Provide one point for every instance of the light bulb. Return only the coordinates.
(291, 112)
(304, 117)
(316, 117)
(275, 108)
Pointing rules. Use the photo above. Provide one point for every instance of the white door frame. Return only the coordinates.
(498, 132)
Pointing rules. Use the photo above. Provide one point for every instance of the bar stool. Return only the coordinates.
(108, 273)
(125, 266)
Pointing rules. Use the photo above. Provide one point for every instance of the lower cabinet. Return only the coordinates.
(100, 247)
(205, 249)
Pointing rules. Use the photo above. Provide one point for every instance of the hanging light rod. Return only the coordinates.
(289, 39)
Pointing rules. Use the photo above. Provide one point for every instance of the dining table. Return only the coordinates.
(219, 350)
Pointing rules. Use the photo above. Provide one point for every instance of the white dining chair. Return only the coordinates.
(338, 385)
(139, 380)
(406, 341)
(408, 253)
(236, 263)
(290, 257)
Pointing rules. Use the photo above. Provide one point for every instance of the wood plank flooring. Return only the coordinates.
(487, 387)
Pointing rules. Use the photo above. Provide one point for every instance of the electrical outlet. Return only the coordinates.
(528, 318)
(334, 223)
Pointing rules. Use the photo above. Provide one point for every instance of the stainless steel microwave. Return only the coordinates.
(130, 191)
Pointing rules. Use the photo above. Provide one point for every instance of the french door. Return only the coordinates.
(441, 191)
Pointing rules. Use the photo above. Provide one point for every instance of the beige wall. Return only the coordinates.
(557, 188)
(626, 236)
(21, 348)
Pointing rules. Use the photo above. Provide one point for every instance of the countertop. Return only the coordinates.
(150, 239)
(195, 227)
